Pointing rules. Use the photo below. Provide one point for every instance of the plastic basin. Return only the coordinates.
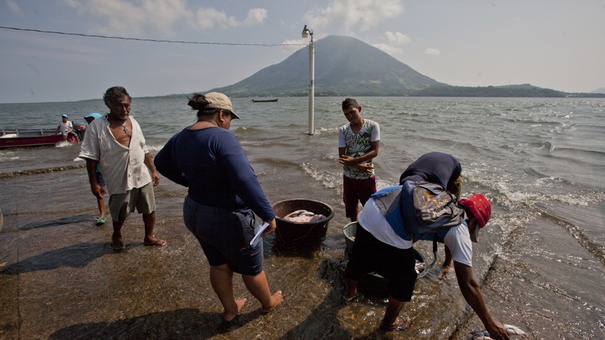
(301, 234)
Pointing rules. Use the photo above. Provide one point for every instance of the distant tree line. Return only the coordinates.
(524, 90)
(487, 91)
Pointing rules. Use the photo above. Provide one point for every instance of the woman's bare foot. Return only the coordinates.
(276, 300)
(230, 316)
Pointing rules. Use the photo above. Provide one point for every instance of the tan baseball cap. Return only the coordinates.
(218, 100)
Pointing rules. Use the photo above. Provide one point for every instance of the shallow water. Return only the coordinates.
(541, 260)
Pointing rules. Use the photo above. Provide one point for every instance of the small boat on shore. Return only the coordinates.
(272, 100)
(28, 137)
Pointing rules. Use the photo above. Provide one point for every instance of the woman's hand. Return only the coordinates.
(270, 228)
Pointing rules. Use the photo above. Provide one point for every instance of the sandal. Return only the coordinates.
(397, 326)
(100, 221)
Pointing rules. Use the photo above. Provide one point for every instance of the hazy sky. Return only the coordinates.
(557, 44)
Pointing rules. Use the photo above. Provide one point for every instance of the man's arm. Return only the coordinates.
(474, 297)
(341, 152)
(91, 169)
(373, 153)
(154, 174)
(359, 162)
(348, 160)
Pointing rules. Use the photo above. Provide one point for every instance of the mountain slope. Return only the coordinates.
(599, 90)
(343, 66)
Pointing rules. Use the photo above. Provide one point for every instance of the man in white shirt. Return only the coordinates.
(116, 143)
(66, 127)
(358, 145)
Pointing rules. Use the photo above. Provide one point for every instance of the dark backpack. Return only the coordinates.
(428, 208)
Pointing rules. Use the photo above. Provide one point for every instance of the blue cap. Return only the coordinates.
(64, 116)
(93, 115)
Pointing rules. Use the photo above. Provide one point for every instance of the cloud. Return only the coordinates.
(209, 17)
(432, 51)
(73, 3)
(255, 16)
(390, 49)
(150, 17)
(397, 38)
(352, 15)
(13, 7)
(394, 41)
(206, 18)
(125, 18)
(293, 45)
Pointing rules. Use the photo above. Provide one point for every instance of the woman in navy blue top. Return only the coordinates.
(224, 199)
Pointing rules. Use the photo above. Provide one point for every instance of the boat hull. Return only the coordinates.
(264, 100)
(25, 138)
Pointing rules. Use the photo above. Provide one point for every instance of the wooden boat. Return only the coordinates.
(272, 100)
(28, 137)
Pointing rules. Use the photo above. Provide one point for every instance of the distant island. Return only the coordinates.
(346, 66)
(523, 90)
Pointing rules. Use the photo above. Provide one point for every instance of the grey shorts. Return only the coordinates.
(143, 199)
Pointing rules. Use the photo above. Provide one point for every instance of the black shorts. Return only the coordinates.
(394, 264)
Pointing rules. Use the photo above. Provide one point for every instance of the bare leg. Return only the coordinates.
(351, 289)
(101, 204)
(221, 278)
(116, 237)
(391, 318)
(150, 240)
(259, 287)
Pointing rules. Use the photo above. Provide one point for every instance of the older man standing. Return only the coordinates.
(116, 143)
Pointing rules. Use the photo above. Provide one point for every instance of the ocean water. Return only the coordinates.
(541, 162)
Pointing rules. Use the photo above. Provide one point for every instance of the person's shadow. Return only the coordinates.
(75, 256)
(57, 222)
(185, 323)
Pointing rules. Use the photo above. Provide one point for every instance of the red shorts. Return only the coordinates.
(355, 191)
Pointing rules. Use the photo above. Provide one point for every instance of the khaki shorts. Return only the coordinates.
(143, 199)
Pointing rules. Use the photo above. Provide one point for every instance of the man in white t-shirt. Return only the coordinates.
(358, 145)
(66, 127)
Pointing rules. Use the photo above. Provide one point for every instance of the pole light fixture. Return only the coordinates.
(308, 33)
